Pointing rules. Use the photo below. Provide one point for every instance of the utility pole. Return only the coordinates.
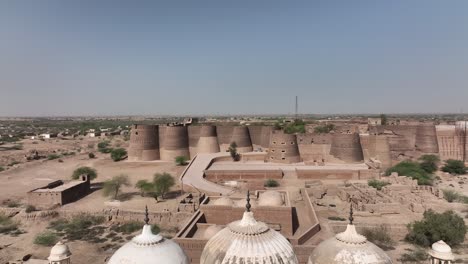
(297, 107)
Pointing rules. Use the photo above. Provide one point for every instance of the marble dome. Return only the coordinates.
(441, 250)
(270, 198)
(225, 201)
(59, 252)
(211, 231)
(248, 241)
(348, 247)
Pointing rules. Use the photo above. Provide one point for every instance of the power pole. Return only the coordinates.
(297, 107)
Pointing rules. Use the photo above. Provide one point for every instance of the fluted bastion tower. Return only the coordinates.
(144, 143)
(283, 148)
(347, 147)
(193, 136)
(241, 136)
(175, 143)
(208, 141)
(224, 137)
(426, 139)
(379, 148)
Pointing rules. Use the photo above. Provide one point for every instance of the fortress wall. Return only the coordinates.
(208, 140)
(426, 139)
(224, 137)
(144, 143)
(347, 147)
(175, 143)
(462, 137)
(406, 131)
(450, 143)
(162, 130)
(256, 135)
(400, 143)
(241, 136)
(305, 139)
(193, 136)
(265, 137)
(379, 148)
(283, 148)
(364, 138)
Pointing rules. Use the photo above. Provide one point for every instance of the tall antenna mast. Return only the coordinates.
(297, 107)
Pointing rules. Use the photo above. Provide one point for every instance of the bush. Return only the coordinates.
(13, 163)
(12, 204)
(455, 167)
(91, 155)
(128, 228)
(163, 183)
(1, 169)
(324, 129)
(103, 147)
(298, 126)
(112, 187)
(429, 163)
(450, 195)
(233, 151)
(47, 239)
(7, 225)
(336, 218)
(414, 256)
(379, 236)
(447, 226)
(181, 160)
(118, 154)
(53, 156)
(377, 184)
(271, 183)
(413, 170)
(92, 173)
(145, 187)
(81, 227)
(30, 208)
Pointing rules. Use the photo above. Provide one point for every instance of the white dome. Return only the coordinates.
(211, 231)
(441, 250)
(348, 248)
(59, 252)
(225, 201)
(248, 241)
(148, 248)
(270, 198)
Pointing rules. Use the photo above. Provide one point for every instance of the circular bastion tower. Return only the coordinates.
(347, 147)
(144, 143)
(241, 136)
(208, 140)
(283, 148)
(426, 138)
(175, 143)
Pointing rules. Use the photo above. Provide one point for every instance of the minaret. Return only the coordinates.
(441, 253)
(59, 254)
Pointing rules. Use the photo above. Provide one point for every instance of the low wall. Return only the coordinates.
(315, 226)
(333, 174)
(216, 175)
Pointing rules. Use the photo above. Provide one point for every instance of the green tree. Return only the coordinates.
(181, 160)
(233, 151)
(377, 184)
(429, 163)
(413, 170)
(145, 187)
(447, 226)
(271, 183)
(103, 147)
(324, 129)
(92, 173)
(456, 167)
(162, 184)
(383, 119)
(113, 186)
(118, 154)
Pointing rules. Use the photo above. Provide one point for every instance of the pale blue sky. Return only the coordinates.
(68, 57)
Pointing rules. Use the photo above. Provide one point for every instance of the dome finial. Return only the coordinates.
(351, 219)
(146, 215)
(247, 206)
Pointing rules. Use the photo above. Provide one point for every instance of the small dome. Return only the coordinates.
(59, 252)
(270, 198)
(225, 201)
(348, 247)
(148, 248)
(211, 231)
(248, 241)
(441, 250)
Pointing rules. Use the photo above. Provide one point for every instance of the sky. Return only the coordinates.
(214, 57)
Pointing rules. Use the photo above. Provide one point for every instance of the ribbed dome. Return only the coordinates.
(248, 241)
(348, 248)
(211, 231)
(148, 248)
(442, 251)
(59, 252)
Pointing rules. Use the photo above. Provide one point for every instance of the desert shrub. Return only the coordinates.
(13, 163)
(413, 170)
(379, 236)
(324, 129)
(47, 239)
(429, 163)
(1, 169)
(181, 160)
(233, 151)
(456, 167)
(271, 183)
(163, 183)
(155, 229)
(113, 186)
(418, 255)
(30, 208)
(336, 218)
(7, 225)
(298, 126)
(83, 227)
(92, 173)
(53, 156)
(91, 155)
(377, 184)
(103, 147)
(118, 154)
(447, 226)
(12, 204)
(450, 195)
(128, 228)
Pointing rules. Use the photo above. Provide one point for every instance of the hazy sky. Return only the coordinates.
(227, 57)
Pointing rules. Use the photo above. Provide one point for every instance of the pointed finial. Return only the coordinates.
(351, 219)
(146, 215)
(247, 206)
